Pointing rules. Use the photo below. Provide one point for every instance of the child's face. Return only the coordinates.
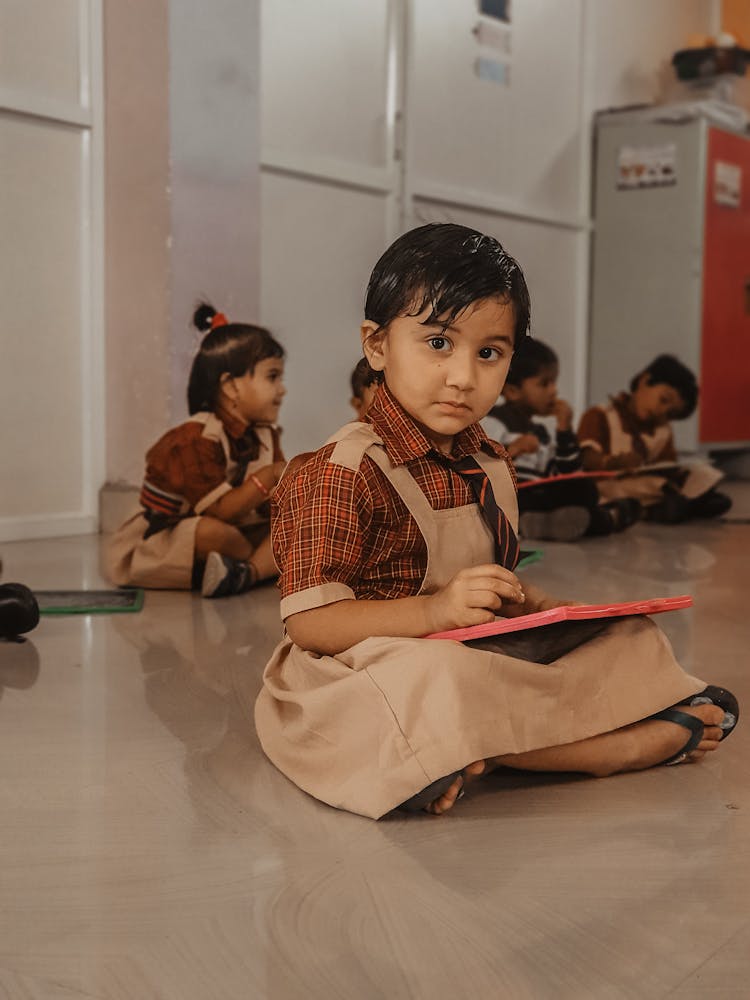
(656, 403)
(445, 379)
(258, 394)
(538, 393)
(362, 403)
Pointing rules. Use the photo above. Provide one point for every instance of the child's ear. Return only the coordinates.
(373, 339)
(511, 392)
(226, 386)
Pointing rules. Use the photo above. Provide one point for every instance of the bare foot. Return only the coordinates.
(658, 740)
(631, 748)
(449, 797)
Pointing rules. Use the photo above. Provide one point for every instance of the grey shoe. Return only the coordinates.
(562, 525)
(224, 576)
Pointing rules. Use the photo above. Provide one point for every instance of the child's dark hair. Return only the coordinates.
(235, 348)
(364, 376)
(529, 358)
(668, 370)
(447, 267)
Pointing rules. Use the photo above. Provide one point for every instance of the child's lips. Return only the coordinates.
(451, 406)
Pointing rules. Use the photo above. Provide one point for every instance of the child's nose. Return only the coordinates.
(460, 371)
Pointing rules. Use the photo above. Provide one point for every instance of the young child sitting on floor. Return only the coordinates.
(633, 430)
(563, 510)
(405, 524)
(204, 515)
(364, 382)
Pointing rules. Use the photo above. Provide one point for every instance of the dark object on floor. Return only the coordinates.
(616, 515)
(89, 602)
(711, 504)
(563, 524)
(676, 508)
(19, 611)
(709, 696)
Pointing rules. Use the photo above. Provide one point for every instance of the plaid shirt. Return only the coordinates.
(194, 464)
(332, 525)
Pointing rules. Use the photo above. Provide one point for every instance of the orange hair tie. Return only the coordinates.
(218, 319)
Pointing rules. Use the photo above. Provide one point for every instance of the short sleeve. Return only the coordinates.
(593, 430)
(319, 523)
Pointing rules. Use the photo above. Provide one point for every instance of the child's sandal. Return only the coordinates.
(710, 696)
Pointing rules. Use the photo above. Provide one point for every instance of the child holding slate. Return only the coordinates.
(633, 434)
(551, 505)
(403, 525)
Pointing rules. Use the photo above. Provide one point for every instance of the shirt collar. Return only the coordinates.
(404, 441)
(235, 429)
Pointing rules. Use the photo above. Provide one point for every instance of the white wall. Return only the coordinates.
(512, 160)
(51, 449)
(214, 157)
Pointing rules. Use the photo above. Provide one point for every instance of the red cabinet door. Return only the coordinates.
(725, 360)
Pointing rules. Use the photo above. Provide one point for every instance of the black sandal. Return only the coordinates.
(709, 696)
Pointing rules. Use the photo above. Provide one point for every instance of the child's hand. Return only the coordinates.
(624, 460)
(563, 414)
(473, 597)
(525, 444)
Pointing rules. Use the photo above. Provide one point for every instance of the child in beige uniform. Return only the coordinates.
(633, 431)
(204, 515)
(405, 524)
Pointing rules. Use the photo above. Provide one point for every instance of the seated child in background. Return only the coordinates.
(364, 383)
(567, 509)
(405, 524)
(633, 430)
(204, 517)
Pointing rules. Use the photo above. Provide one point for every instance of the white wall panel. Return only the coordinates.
(634, 41)
(549, 259)
(40, 288)
(39, 48)
(319, 244)
(518, 141)
(325, 79)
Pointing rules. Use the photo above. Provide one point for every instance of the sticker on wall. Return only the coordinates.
(727, 184)
(646, 166)
(492, 35)
(493, 70)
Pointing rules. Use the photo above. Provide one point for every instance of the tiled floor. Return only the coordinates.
(148, 849)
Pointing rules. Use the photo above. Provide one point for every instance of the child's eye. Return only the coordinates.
(490, 353)
(439, 343)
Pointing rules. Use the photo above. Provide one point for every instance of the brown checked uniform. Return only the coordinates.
(372, 516)
(187, 470)
(613, 430)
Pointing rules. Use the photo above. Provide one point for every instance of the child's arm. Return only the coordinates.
(524, 444)
(594, 438)
(474, 596)
(236, 505)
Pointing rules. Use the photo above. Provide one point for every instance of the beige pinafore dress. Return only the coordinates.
(692, 481)
(370, 727)
(165, 559)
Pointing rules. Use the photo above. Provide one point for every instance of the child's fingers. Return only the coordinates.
(487, 599)
(490, 594)
(491, 571)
